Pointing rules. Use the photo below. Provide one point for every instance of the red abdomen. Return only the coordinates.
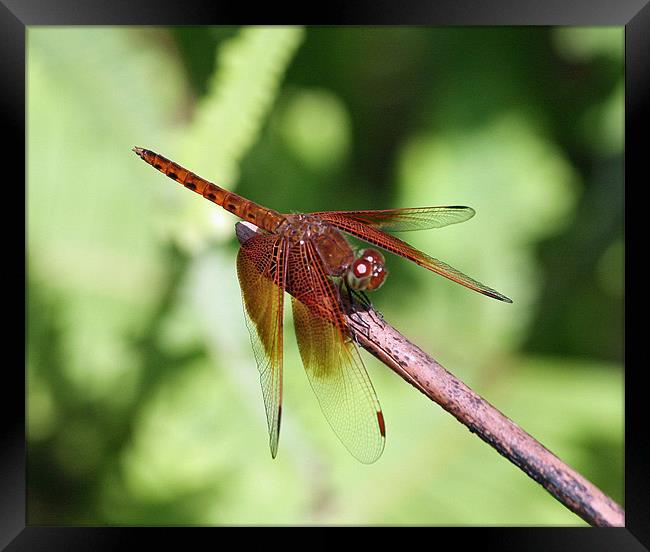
(245, 209)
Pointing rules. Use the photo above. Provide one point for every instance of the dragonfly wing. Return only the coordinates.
(332, 362)
(404, 220)
(261, 268)
(377, 237)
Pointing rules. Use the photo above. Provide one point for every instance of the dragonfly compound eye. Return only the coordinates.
(379, 274)
(374, 256)
(378, 271)
(359, 274)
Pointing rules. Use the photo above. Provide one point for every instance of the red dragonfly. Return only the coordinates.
(307, 256)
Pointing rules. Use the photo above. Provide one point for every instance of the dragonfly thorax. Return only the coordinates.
(310, 233)
(301, 227)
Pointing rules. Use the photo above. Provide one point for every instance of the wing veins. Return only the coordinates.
(262, 279)
(377, 237)
(333, 364)
(407, 219)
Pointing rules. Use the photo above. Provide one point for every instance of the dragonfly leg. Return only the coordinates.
(363, 299)
(356, 298)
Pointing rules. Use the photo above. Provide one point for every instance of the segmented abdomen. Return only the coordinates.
(245, 209)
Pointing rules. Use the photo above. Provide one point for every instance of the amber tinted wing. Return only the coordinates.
(413, 218)
(377, 237)
(331, 359)
(261, 267)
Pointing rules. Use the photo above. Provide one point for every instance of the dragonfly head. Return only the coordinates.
(367, 272)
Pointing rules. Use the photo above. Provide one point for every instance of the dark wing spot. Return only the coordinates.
(382, 425)
(172, 175)
(190, 186)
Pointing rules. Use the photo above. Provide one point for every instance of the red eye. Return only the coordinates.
(374, 256)
(379, 274)
(367, 272)
(359, 275)
(362, 268)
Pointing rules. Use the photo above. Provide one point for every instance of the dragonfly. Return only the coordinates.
(308, 256)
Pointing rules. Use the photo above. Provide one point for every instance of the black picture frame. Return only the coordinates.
(17, 15)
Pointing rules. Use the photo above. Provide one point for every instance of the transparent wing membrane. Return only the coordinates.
(331, 360)
(405, 220)
(379, 238)
(261, 268)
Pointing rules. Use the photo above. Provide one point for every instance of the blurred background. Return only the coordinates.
(144, 403)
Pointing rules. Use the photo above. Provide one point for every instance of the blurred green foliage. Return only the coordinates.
(144, 404)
